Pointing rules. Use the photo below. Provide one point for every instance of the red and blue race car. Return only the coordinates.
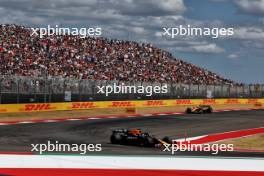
(136, 137)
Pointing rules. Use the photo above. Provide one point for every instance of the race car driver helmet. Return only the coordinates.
(135, 131)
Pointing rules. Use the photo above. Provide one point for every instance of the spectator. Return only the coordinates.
(93, 58)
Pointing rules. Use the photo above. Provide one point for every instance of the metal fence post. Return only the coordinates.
(45, 90)
(250, 92)
(0, 90)
(262, 90)
(189, 90)
(18, 92)
(50, 89)
(35, 90)
(79, 89)
(198, 90)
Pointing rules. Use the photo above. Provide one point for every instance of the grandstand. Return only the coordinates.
(34, 69)
(94, 58)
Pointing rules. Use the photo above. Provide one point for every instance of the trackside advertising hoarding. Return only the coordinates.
(37, 107)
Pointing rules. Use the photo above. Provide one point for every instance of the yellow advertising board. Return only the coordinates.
(37, 107)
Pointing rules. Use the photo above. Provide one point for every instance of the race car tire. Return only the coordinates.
(188, 110)
(149, 142)
(116, 138)
(209, 110)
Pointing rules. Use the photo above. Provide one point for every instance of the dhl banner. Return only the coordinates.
(5, 108)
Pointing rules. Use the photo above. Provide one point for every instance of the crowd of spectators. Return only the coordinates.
(94, 58)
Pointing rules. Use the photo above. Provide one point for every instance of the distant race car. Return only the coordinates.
(201, 109)
(136, 137)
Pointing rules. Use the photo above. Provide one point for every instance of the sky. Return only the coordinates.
(238, 57)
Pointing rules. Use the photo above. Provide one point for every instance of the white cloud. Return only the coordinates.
(122, 19)
(261, 20)
(218, 0)
(138, 30)
(201, 48)
(254, 7)
(232, 56)
(171, 5)
(149, 7)
(249, 33)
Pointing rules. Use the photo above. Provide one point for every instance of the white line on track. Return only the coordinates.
(112, 117)
(50, 120)
(190, 138)
(130, 162)
(177, 113)
(146, 115)
(25, 122)
(72, 119)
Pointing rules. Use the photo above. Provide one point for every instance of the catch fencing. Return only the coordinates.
(15, 89)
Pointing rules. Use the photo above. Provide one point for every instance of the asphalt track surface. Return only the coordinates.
(19, 137)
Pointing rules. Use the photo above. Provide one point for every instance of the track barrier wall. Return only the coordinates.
(39, 107)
